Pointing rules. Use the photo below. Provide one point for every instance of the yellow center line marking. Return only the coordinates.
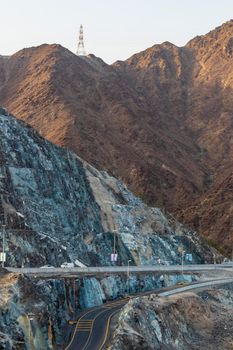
(88, 340)
(82, 322)
(90, 334)
(120, 302)
(76, 328)
(112, 305)
(86, 327)
(107, 329)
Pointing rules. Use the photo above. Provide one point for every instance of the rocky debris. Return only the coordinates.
(185, 321)
(64, 209)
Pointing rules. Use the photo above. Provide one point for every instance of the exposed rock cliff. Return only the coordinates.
(180, 322)
(63, 209)
(58, 208)
(35, 312)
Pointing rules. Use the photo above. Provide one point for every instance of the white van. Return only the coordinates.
(66, 264)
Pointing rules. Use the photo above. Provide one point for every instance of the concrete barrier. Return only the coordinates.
(196, 286)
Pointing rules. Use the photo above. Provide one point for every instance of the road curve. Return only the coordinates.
(92, 328)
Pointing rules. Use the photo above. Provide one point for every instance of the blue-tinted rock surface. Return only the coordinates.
(185, 321)
(59, 208)
(71, 210)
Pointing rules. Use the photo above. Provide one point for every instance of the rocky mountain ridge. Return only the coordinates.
(161, 121)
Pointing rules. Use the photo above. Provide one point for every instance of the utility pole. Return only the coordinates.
(128, 276)
(3, 233)
(3, 244)
(74, 295)
(114, 255)
(182, 262)
(30, 317)
(81, 49)
(114, 242)
(232, 258)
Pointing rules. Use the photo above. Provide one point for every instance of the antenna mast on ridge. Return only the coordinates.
(81, 49)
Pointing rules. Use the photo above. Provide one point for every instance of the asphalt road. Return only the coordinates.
(92, 327)
(103, 270)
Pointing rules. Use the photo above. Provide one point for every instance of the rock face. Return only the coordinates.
(161, 121)
(186, 321)
(59, 208)
(213, 213)
(108, 115)
(35, 312)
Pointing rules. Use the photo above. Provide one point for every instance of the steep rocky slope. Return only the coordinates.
(212, 214)
(34, 312)
(98, 112)
(58, 208)
(185, 321)
(161, 121)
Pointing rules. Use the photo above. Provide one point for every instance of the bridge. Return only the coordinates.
(103, 270)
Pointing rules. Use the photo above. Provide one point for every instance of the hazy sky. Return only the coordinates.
(113, 29)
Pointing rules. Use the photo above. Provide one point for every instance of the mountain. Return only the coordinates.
(93, 109)
(57, 208)
(161, 121)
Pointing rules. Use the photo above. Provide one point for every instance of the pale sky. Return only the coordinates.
(112, 29)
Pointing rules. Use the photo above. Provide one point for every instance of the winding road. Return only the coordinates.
(91, 329)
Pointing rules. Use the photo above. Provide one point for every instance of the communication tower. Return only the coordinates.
(81, 49)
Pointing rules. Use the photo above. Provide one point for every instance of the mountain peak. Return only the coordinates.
(216, 37)
(43, 50)
(152, 55)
